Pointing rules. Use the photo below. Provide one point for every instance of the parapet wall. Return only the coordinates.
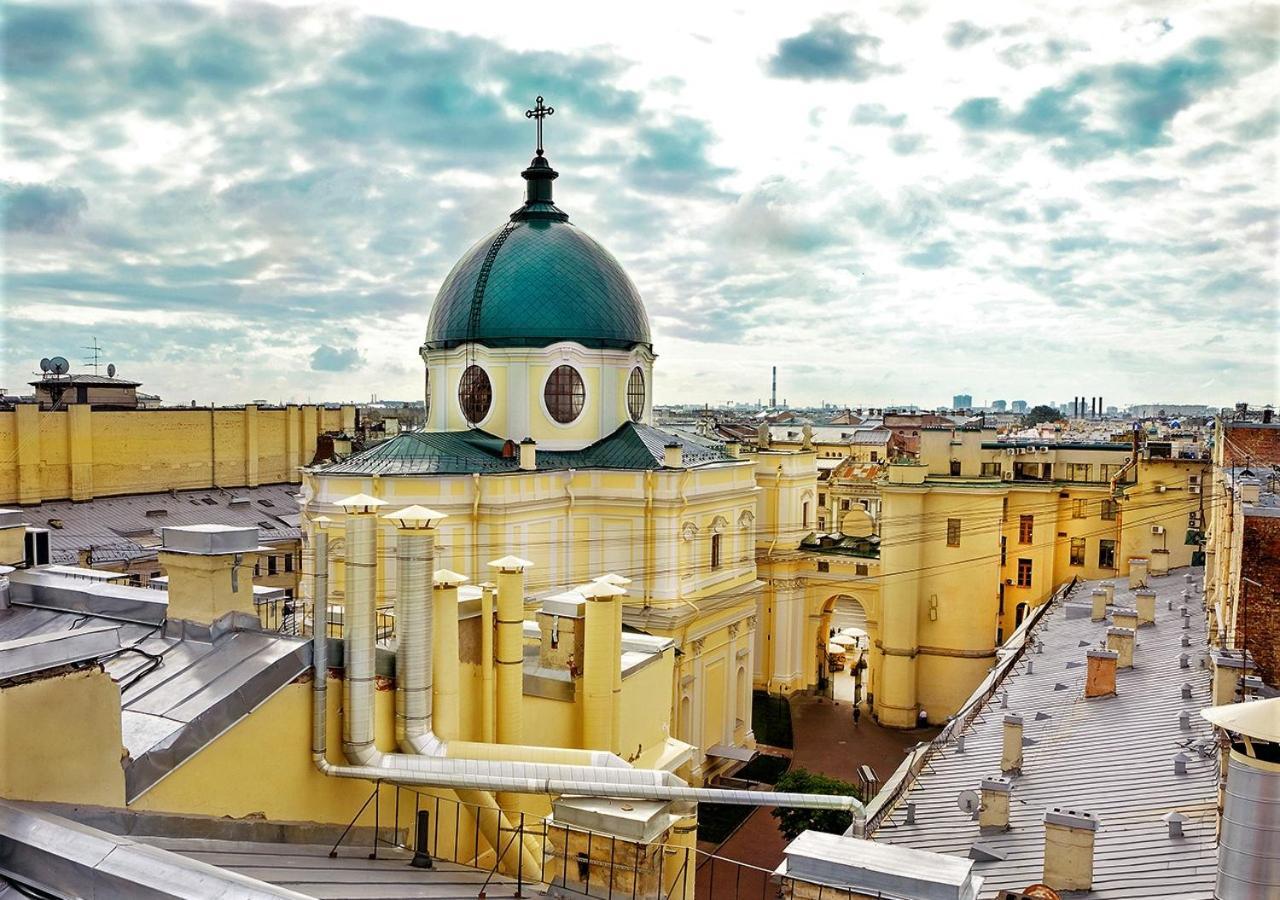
(79, 453)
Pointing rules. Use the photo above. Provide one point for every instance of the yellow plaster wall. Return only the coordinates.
(84, 453)
(60, 740)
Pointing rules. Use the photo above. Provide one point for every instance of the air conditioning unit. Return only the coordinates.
(1195, 488)
(1157, 529)
(1161, 488)
(1007, 475)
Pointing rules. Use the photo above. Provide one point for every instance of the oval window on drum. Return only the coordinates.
(635, 394)
(475, 394)
(564, 394)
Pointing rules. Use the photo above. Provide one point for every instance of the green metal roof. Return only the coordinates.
(535, 281)
(633, 446)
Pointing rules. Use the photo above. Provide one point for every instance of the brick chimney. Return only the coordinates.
(1110, 588)
(994, 810)
(1011, 754)
(528, 454)
(673, 455)
(1121, 641)
(1138, 572)
(1124, 618)
(1099, 598)
(1100, 675)
(210, 570)
(1068, 849)
(1229, 669)
(1145, 600)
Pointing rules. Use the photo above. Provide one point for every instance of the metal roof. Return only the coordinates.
(84, 379)
(129, 527)
(206, 678)
(632, 446)
(1112, 756)
(536, 281)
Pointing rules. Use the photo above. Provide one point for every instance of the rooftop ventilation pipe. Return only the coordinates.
(509, 768)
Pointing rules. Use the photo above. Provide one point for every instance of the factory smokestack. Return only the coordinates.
(773, 395)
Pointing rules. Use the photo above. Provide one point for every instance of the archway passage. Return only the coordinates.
(841, 642)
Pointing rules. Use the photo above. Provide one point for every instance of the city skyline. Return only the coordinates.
(260, 202)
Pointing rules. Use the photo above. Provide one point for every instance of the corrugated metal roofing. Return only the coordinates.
(1112, 756)
(124, 528)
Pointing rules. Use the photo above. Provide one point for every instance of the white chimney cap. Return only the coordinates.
(209, 540)
(511, 564)
(416, 517)
(594, 590)
(1071, 818)
(360, 503)
(1259, 719)
(614, 578)
(447, 578)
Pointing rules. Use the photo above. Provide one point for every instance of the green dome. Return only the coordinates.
(535, 281)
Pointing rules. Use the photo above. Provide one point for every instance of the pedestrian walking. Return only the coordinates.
(857, 713)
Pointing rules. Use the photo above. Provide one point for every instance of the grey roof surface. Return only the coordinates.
(1111, 756)
(81, 378)
(120, 529)
(181, 684)
(307, 869)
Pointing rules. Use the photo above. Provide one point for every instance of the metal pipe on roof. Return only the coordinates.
(554, 776)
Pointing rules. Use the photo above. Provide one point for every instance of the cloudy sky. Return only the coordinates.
(892, 204)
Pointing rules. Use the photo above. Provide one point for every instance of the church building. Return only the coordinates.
(538, 442)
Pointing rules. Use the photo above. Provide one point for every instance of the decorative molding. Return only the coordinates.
(786, 584)
(688, 531)
(751, 623)
(733, 629)
(746, 519)
(719, 524)
(696, 646)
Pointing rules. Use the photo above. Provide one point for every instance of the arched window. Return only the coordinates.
(635, 394)
(475, 394)
(743, 697)
(715, 550)
(564, 394)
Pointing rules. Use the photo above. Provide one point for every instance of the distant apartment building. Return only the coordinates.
(962, 401)
(1019, 406)
(1242, 566)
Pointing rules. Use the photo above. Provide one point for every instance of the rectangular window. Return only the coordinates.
(1078, 471)
(804, 515)
(1000, 596)
(875, 457)
(991, 469)
(1026, 526)
(1024, 573)
(822, 523)
(1004, 544)
(822, 499)
(844, 504)
(1106, 554)
(824, 567)
(1106, 471)
(257, 568)
(953, 532)
(955, 467)
(271, 565)
(1079, 509)
(288, 562)
(860, 569)
(1109, 509)
(1077, 551)
(715, 548)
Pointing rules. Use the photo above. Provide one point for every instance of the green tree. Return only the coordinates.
(1040, 414)
(793, 821)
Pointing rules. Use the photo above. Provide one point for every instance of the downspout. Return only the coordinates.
(486, 662)
(439, 769)
(475, 521)
(649, 549)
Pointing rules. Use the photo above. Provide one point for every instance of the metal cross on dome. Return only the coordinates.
(539, 112)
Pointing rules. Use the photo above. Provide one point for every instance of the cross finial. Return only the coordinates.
(539, 112)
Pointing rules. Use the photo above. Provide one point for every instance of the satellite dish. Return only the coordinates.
(59, 365)
(44, 364)
(111, 370)
(968, 802)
